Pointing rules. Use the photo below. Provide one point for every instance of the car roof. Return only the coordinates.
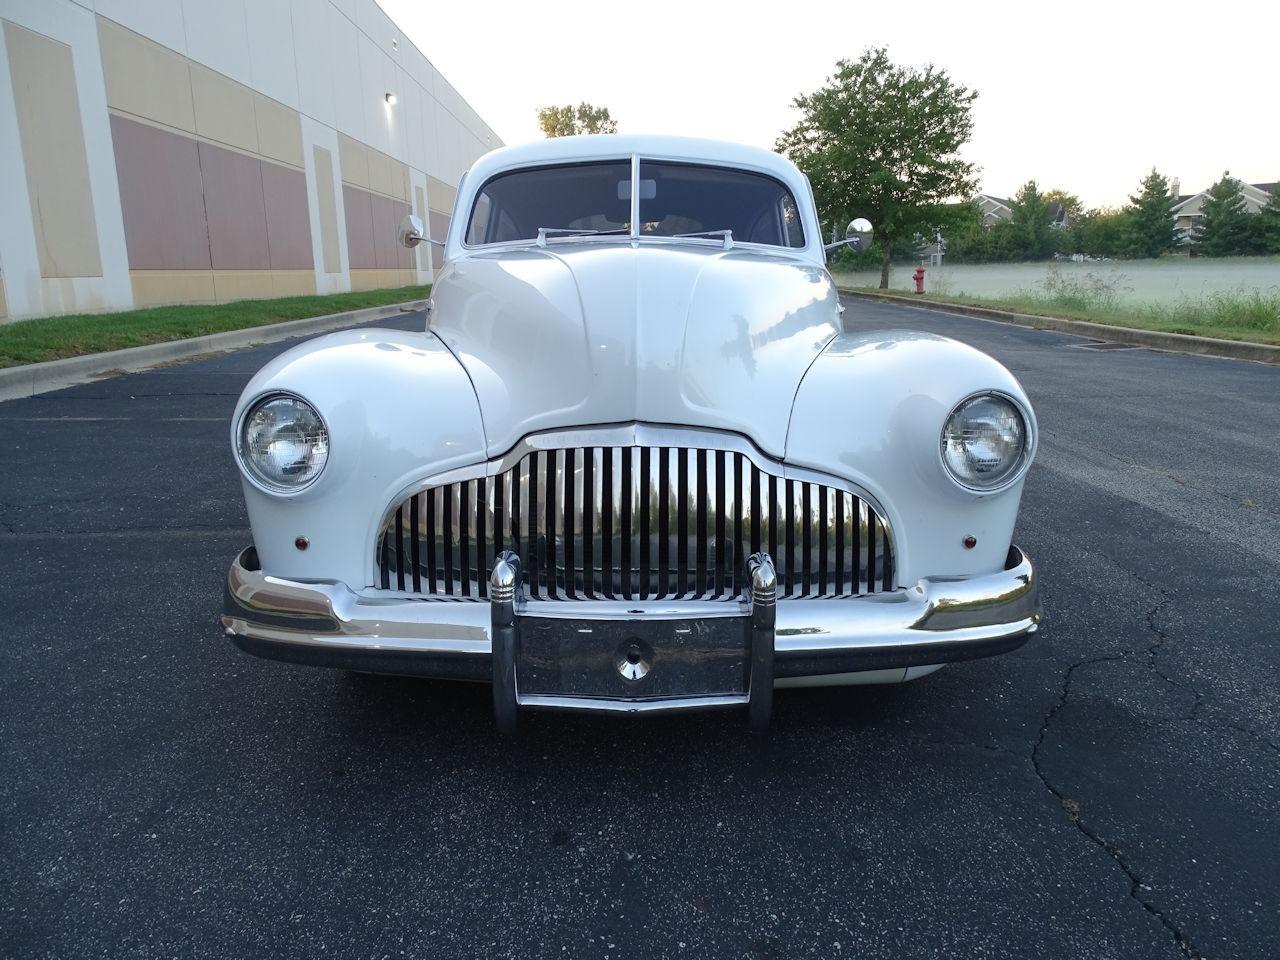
(615, 145)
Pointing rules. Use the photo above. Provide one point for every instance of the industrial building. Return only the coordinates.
(198, 151)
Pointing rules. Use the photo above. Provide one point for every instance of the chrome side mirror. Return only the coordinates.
(410, 233)
(857, 236)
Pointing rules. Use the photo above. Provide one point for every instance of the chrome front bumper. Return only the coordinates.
(938, 620)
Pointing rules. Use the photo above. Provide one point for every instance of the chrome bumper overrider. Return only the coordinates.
(937, 620)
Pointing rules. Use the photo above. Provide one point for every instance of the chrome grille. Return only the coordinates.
(632, 523)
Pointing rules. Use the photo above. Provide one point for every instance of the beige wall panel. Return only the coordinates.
(293, 283)
(327, 209)
(53, 153)
(388, 176)
(155, 287)
(354, 159)
(438, 227)
(231, 285)
(440, 195)
(364, 279)
(224, 109)
(279, 131)
(144, 78)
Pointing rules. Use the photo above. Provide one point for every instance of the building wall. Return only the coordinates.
(162, 151)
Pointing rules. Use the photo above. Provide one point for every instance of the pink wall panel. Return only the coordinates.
(358, 206)
(386, 215)
(288, 223)
(236, 209)
(160, 197)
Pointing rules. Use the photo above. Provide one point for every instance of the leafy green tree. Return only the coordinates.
(1104, 233)
(1265, 226)
(1032, 236)
(1223, 230)
(569, 120)
(1151, 225)
(882, 141)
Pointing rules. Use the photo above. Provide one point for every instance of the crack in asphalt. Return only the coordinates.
(1072, 807)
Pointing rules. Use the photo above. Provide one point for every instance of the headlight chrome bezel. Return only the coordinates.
(1030, 441)
(244, 462)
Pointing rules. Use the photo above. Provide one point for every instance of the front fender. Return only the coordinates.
(398, 407)
(871, 409)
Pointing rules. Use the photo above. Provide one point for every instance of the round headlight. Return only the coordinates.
(985, 442)
(283, 442)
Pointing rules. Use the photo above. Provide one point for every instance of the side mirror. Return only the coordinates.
(858, 234)
(410, 233)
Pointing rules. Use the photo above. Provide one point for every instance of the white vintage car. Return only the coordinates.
(633, 463)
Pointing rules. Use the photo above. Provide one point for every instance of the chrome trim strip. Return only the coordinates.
(538, 701)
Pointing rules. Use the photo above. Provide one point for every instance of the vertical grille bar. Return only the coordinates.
(627, 489)
(840, 542)
(682, 522)
(662, 489)
(415, 544)
(789, 557)
(718, 510)
(806, 538)
(547, 535)
(464, 539)
(823, 541)
(702, 585)
(607, 507)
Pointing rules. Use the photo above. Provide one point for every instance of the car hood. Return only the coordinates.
(612, 333)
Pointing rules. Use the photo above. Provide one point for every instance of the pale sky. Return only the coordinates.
(1086, 96)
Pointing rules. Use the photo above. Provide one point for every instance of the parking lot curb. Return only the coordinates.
(1155, 339)
(31, 379)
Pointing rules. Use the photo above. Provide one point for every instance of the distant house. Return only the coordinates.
(994, 209)
(1190, 206)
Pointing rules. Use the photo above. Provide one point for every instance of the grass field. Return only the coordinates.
(52, 338)
(1237, 299)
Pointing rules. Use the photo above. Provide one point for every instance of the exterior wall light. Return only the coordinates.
(391, 98)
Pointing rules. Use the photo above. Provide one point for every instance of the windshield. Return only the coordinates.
(580, 197)
(680, 199)
(555, 203)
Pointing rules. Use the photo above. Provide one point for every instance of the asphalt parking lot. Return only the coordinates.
(1110, 790)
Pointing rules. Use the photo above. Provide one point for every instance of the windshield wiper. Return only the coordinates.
(544, 232)
(726, 234)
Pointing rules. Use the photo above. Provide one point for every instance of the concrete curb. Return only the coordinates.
(1154, 339)
(31, 379)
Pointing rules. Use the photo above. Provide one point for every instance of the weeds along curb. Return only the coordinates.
(1154, 339)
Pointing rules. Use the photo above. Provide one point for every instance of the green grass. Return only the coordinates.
(52, 338)
(1250, 315)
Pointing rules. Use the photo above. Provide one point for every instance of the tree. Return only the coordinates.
(1223, 230)
(881, 141)
(1032, 236)
(1105, 233)
(1265, 225)
(1150, 214)
(569, 120)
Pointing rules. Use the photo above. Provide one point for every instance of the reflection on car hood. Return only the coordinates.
(610, 332)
